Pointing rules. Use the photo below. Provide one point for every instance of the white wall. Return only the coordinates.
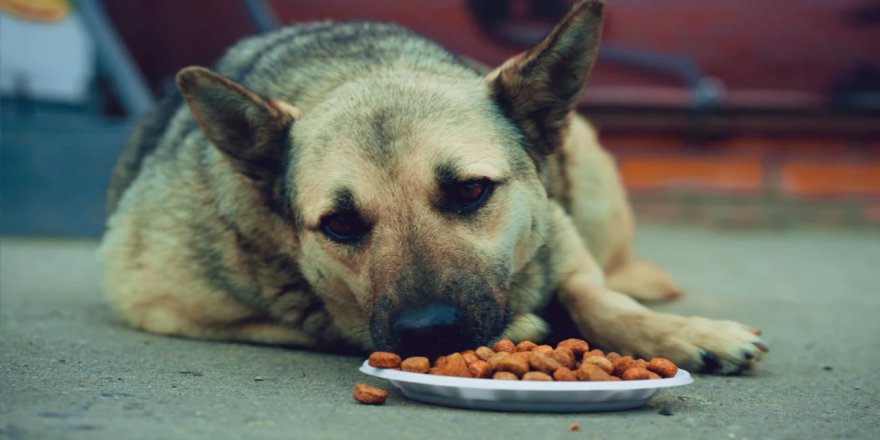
(52, 61)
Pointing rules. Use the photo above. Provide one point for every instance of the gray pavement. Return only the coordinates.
(69, 369)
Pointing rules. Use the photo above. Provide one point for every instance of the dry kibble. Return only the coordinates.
(623, 364)
(382, 359)
(481, 369)
(600, 362)
(455, 366)
(564, 356)
(564, 375)
(369, 395)
(537, 375)
(663, 367)
(469, 356)
(525, 346)
(636, 373)
(484, 352)
(512, 364)
(542, 349)
(590, 372)
(495, 358)
(577, 346)
(525, 361)
(543, 362)
(504, 375)
(505, 345)
(416, 364)
(524, 355)
(574, 427)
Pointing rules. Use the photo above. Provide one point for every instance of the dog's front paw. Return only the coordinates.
(712, 346)
(526, 327)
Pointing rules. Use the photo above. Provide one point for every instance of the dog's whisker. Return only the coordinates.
(359, 329)
(540, 274)
(525, 290)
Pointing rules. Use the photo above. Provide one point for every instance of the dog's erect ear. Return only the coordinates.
(247, 128)
(539, 88)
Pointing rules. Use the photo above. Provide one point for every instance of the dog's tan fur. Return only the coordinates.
(214, 235)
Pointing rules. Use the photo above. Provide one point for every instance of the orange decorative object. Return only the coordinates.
(726, 174)
(831, 178)
(36, 10)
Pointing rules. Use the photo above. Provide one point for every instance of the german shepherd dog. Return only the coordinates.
(354, 185)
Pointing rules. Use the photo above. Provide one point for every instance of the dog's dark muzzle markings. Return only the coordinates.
(435, 297)
(437, 326)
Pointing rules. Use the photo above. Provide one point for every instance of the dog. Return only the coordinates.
(355, 186)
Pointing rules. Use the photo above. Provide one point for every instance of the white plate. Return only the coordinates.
(508, 395)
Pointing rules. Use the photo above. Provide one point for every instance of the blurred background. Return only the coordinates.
(723, 113)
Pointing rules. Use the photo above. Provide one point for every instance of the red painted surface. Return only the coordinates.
(166, 36)
(769, 44)
(798, 47)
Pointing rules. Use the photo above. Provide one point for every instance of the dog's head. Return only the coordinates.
(415, 198)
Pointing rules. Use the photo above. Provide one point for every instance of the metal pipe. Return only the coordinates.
(706, 91)
(262, 16)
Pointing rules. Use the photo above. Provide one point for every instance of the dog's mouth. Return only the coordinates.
(437, 328)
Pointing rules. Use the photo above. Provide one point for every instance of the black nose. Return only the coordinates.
(429, 331)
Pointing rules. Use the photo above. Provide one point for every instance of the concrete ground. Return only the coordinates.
(68, 369)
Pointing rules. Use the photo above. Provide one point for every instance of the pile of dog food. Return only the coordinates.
(571, 360)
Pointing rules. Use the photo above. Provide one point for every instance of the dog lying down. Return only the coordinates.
(354, 185)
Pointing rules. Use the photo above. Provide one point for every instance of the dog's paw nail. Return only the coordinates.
(711, 362)
(748, 355)
(755, 331)
(761, 346)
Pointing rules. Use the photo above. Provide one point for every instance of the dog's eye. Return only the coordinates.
(470, 191)
(467, 197)
(344, 227)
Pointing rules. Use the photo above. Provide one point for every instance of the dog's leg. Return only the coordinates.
(617, 322)
(246, 330)
(644, 281)
(261, 332)
(585, 177)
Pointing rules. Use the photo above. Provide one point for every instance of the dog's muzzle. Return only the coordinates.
(432, 330)
(436, 326)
